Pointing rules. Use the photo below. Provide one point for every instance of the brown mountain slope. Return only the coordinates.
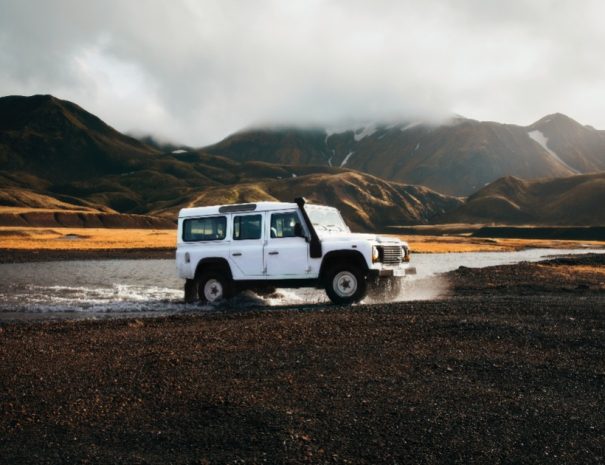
(367, 203)
(24, 208)
(570, 201)
(18, 198)
(173, 181)
(285, 145)
(58, 141)
(457, 157)
(581, 147)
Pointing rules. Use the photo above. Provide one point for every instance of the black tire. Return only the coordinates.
(394, 288)
(385, 289)
(213, 286)
(345, 284)
(190, 291)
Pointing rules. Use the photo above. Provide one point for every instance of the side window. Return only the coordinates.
(213, 228)
(247, 227)
(282, 224)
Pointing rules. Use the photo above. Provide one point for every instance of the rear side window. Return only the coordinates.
(205, 229)
(247, 227)
(282, 224)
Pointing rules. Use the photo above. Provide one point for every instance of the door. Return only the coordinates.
(286, 255)
(246, 252)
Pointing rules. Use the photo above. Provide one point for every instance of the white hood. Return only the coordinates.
(347, 236)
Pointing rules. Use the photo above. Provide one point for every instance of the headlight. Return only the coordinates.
(375, 254)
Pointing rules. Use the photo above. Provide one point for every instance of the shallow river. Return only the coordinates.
(117, 288)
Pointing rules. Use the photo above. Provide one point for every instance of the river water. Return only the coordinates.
(118, 288)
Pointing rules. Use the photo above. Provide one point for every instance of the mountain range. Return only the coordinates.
(54, 152)
(57, 157)
(455, 157)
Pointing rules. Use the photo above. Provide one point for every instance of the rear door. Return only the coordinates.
(286, 255)
(246, 252)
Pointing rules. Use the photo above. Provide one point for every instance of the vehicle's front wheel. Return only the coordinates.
(214, 286)
(345, 284)
(385, 289)
(393, 288)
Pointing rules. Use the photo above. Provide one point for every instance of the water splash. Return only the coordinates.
(151, 287)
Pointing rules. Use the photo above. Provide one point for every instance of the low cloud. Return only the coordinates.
(195, 71)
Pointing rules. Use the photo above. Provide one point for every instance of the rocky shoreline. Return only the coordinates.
(507, 369)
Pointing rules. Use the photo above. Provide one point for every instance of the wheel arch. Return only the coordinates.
(213, 263)
(353, 257)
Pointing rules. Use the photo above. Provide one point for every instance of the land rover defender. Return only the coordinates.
(224, 249)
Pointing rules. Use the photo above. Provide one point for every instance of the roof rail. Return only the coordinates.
(240, 207)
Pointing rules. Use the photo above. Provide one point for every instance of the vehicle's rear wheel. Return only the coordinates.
(345, 284)
(190, 291)
(214, 286)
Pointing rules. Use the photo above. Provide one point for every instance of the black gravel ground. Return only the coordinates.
(484, 376)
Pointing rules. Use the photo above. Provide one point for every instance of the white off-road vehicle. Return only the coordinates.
(222, 250)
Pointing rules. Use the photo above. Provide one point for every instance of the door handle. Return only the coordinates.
(237, 254)
(274, 253)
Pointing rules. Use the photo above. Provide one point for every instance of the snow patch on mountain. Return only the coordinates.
(359, 132)
(410, 126)
(364, 132)
(334, 130)
(541, 139)
(346, 159)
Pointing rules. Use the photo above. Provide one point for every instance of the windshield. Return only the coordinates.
(326, 219)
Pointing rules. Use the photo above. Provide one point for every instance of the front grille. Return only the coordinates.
(391, 254)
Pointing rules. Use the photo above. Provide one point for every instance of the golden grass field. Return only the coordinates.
(23, 238)
(85, 238)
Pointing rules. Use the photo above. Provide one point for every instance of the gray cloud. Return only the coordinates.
(194, 71)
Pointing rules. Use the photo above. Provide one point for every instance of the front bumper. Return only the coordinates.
(393, 272)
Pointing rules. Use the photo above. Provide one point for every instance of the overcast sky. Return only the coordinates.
(194, 71)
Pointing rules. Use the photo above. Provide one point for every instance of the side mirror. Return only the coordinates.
(298, 230)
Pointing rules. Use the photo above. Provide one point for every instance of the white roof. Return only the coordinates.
(260, 207)
(214, 209)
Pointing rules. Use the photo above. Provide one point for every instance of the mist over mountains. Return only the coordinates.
(54, 153)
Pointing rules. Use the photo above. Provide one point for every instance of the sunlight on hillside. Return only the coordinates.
(85, 238)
